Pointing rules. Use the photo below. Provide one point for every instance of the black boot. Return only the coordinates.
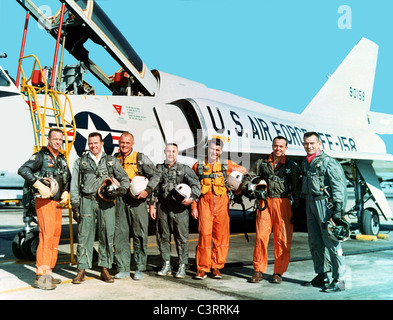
(335, 286)
(320, 281)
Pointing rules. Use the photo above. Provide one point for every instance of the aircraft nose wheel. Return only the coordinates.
(369, 222)
(24, 245)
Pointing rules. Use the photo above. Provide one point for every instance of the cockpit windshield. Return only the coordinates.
(104, 23)
(89, 32)
(4, 82)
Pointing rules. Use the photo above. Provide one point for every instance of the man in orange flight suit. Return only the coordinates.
(48, 163)
(213, 210)
(282, 178)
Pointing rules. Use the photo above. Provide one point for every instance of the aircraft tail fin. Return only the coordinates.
(346, 96)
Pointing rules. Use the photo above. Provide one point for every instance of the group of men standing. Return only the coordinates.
(121, 215)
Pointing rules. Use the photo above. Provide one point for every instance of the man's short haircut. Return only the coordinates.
(55, 130)
(216, 141)
(172, 144)
(126, 133)
(310, 134)
(95, 134)
(281, 138)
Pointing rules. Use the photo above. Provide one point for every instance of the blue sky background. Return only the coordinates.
(278, 53)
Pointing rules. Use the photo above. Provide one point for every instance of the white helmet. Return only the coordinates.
(257, 189)
(137, 185)
(257, 184)
(108, 185)
(52, 184)
(181, 191)
(235, 178)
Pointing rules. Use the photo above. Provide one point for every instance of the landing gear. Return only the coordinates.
(369, 222)
(25, 243)
(16, 244)
(368, 218)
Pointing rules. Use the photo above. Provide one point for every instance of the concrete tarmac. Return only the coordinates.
(369, 266)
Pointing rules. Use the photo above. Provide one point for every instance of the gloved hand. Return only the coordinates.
(76, 214)
(113, 194)
(337, 211)
(295, 204)
(43, 190)
(64, 199)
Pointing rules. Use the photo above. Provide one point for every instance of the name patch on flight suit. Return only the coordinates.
(51, 163)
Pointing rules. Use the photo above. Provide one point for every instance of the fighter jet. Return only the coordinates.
(159, 107)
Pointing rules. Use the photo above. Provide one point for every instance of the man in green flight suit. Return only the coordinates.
(88, 176)
(171, 213)
(324, 189)
(131, 209)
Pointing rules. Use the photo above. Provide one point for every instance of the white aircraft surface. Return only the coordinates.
(158, 107)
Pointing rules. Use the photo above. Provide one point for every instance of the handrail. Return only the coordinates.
(60, 110)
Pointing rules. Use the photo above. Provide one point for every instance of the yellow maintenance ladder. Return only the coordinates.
(49, 106)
